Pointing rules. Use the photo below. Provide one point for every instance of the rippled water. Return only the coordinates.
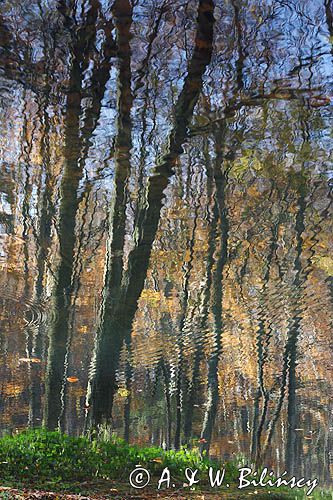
(165, 224)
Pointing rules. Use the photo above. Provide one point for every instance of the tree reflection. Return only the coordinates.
(165, 230)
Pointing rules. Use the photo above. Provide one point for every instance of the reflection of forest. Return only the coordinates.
(165, 231)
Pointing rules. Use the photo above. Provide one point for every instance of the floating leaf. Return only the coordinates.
(30, 360)
(123, 392)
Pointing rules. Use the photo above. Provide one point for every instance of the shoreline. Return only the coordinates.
(44, 464)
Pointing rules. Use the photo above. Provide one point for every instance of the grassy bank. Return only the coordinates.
(54, 461)
(43, 460)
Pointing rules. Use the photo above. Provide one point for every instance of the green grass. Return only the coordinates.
(40, 459)
(36, 456)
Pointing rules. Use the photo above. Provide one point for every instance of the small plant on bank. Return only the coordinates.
(36, 456)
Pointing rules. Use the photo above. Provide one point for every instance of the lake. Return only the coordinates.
(166, 268)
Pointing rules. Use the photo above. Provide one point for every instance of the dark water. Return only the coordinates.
(165, 224)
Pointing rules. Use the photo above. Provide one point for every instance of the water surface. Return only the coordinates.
(165, 224)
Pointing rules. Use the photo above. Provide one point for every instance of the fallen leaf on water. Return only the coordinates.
(123, 393)
(83, 329)
(30, 360)
(72, 380)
